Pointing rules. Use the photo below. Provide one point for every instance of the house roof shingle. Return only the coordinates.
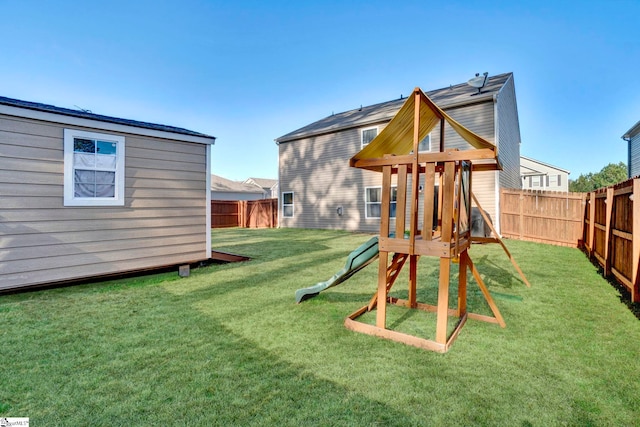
(225, 185)
(92, 116)
(459, 94)
(263, 182)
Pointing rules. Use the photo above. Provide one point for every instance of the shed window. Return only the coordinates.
(287, 204)
(373, 202)
(93, 169)
(368, 135)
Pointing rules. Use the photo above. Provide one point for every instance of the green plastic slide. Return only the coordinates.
(357, 260)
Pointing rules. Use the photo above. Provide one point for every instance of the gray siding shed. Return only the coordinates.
(164, 219)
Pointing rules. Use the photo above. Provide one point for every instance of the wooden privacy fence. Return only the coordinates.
(612, 232)
(542, 216)
(244, 213)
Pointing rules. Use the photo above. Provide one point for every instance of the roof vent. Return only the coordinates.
(479, 81)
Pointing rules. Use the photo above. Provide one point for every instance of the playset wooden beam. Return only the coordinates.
(497, 239)
(445, 230)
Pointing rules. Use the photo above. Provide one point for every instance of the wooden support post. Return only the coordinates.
(443, 301)
(401, 201)
(381, 315)
(499, 239)
(442, 122)
(635, 280)
(485, 291)
(413, 280)
(429, 205)
(381, 312)
(462, 284)
(415, 177)
(445, 263)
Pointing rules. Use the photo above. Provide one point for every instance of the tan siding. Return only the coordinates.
(30, 233)
(29, 276)
(317, 170)
(162, 223)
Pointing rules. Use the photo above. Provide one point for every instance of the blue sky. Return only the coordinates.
(248, 72)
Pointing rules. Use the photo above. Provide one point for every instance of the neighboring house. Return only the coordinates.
(85, 195)
(320, 190)
(226, 189)
(542, 176)
(270, 186)
(632, 136)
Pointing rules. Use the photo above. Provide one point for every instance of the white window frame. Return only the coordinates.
(362, 131)
(69, 192)
(428, 149)
(292, 204)
(367, 203)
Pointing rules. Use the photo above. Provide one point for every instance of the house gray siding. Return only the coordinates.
(316, 169)
(508, 128)
(634, 156)
(163, 221)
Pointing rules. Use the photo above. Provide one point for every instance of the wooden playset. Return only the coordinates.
(441, 183)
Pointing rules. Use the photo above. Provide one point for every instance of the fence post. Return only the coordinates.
(521, 222)
(592, 221)
(635, 230)
(607, 232)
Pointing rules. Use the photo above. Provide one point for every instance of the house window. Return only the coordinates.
(93, 169)
(373, 202)
(425, 144)
(287, 204)
(368, 135)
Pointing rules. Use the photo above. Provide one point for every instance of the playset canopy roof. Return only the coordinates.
(398, 138)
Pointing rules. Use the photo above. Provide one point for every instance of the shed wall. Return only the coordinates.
(162, 223)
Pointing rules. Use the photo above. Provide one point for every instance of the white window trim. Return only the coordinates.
(380, 202)
(292, 204)
(429, 149)
(362, 131)
(69, 197)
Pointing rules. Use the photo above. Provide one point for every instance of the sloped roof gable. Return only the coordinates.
(454, 95)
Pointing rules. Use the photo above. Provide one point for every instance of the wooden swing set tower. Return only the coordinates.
(445, 230)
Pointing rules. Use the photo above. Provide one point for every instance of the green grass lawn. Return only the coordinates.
(229, 346)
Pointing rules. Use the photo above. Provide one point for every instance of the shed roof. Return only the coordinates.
(46, 108)
(455, 95)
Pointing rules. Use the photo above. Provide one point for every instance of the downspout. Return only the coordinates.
(279, 186)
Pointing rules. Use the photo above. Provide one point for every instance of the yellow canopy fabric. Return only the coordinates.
(397, 137)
